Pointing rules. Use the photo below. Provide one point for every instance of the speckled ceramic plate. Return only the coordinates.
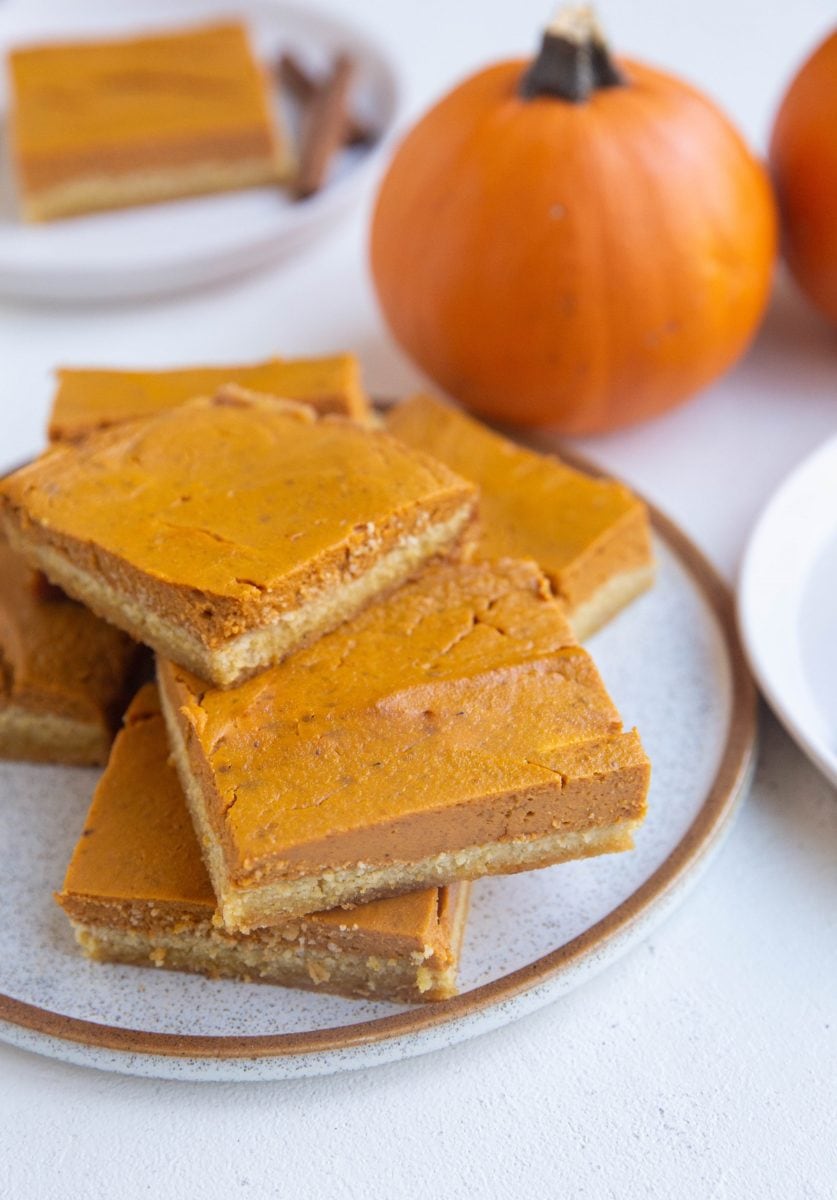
(153, 249)
(673, 665)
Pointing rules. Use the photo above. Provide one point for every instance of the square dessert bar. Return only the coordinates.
(227, 532)
(88, 399)
(590, 537)
(134, 120)
(136, 891)
(454, 730)
(63, 672)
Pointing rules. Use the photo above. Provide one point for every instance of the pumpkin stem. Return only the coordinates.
(574, 59)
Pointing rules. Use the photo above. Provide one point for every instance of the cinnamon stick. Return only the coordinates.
(324, 127)
(304, 87)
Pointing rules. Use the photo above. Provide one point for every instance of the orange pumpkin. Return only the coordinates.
(803, 157)
(582, 244)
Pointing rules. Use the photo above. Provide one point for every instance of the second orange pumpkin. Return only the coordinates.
(584, 264)
(803, 153)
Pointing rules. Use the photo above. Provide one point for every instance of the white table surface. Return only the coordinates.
(702, 1065)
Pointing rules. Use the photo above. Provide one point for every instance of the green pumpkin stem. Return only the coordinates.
(574, 60)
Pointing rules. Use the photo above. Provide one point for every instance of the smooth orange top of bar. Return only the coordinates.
(117, 94)
(530, 504)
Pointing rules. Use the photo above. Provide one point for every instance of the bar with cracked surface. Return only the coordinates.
(452, 731)
(590, 537)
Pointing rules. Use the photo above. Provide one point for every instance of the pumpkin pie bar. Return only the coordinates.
(453, 731)
(63, 672)
(226, 532)
(590, 537)
(137, 891)
(105, 124)
(87, 399)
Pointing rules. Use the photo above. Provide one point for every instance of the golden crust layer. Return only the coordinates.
(93, 122)
(590, 537)
(241, 524)
(63, 672)
(206, 950)
(89, 399)
(454, 730)
(136, 890)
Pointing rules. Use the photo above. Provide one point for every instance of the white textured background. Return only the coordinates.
(704, 1064)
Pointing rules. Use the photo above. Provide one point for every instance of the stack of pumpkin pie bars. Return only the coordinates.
(368, 686)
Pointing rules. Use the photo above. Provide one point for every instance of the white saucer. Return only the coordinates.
(160, 248)
(786, 605)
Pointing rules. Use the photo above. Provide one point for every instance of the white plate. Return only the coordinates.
(672, 664)
(147, 251)
(786, 605)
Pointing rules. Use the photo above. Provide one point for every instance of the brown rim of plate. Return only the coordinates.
(733, 773)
